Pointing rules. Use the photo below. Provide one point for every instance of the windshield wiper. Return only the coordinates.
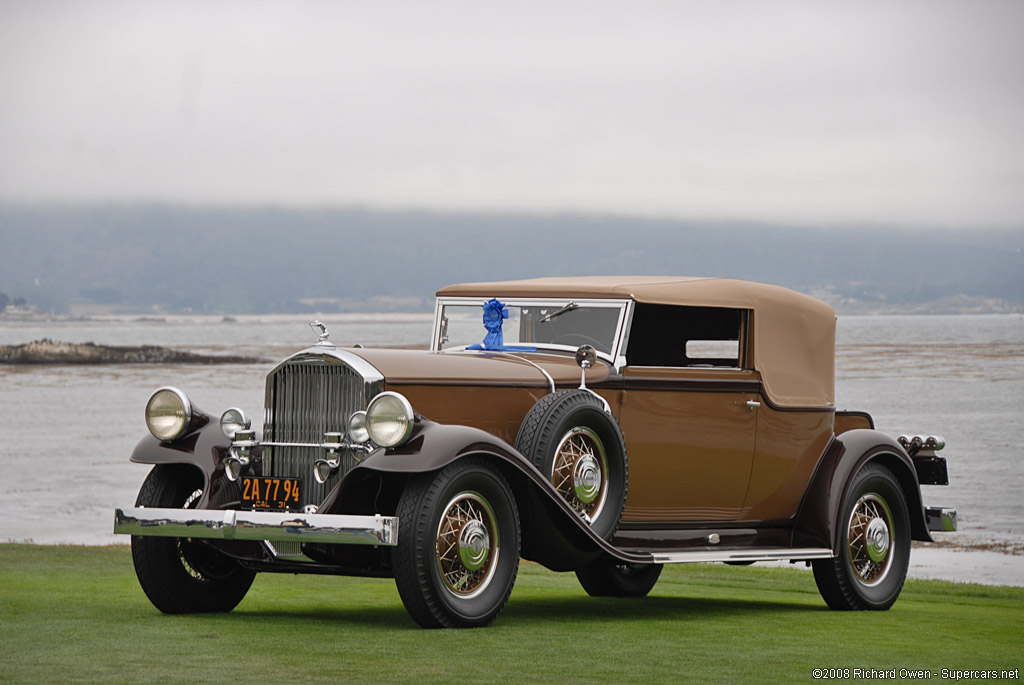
(567, 308)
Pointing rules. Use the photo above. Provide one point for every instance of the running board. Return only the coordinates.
(742, 556)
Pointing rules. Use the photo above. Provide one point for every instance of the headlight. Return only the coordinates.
(232, 421)
(357, 432)
(168, 414)
(389, 419)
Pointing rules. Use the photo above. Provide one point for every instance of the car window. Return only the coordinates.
(663, 335)
(564, 323)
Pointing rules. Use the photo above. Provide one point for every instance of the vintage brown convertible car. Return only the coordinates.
(702, 427)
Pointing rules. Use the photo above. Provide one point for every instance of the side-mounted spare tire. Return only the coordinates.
(573, 441)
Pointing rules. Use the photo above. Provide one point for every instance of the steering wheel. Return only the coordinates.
(566, 339)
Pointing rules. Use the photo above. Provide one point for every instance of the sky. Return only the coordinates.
(903, 113)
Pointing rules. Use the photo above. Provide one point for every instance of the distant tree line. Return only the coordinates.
(278, 260)
(17, 301)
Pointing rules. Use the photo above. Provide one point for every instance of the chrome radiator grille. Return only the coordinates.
(307, 397)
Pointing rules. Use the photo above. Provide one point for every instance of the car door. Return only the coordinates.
(690, 442)
(688, 413)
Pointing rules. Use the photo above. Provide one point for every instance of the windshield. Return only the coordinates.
(563, 323)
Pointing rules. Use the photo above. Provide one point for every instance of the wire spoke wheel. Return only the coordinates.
(182, 575)
(579, 448)
(467, 544)
(870, 538)
(184, 545)
(458, 545)
(873, 549)
(579, 471)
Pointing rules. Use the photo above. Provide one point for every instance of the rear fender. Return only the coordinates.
(819, 512)
(552, 533)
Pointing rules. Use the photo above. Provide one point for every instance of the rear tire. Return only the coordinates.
(874, 550)
(602, 578)
(179, 575)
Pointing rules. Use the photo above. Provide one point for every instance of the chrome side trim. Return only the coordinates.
(603, 401)
(941, 519)
(746, 555)
(230, 524)
(623, 341)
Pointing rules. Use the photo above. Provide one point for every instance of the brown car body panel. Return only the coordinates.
(492, 391)
(789, 446)
(698, 454)
(480, 368)
(690, 442)
(852, 420)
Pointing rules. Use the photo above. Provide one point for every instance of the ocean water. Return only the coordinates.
(66, 432)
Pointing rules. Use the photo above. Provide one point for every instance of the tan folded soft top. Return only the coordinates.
(794, 334)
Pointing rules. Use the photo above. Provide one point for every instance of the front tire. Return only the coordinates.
(179, 575)
(602, 578)
(874, 550)
(458, 545)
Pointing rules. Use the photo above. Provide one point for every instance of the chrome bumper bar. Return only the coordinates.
(230, 524)
(940, 519)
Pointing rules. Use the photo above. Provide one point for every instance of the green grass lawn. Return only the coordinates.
(77, 614)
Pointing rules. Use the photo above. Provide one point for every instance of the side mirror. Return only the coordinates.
(586, 355)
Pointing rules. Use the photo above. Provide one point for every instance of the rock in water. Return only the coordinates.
(47, 351)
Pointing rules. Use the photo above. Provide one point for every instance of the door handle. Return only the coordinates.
(753, 404)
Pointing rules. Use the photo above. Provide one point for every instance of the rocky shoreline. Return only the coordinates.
(48, 351)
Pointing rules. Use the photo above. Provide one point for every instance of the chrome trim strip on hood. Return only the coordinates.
(551, 381)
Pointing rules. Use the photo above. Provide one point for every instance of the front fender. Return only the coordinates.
(552, 533)
(204, 448)
(816, 520)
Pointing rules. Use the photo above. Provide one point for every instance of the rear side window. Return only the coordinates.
(664, 335)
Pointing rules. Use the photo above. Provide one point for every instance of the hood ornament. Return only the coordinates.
(321, 330)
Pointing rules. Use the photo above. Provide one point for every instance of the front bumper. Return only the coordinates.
(230, 524)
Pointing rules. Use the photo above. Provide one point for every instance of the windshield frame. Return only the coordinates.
(624, 306)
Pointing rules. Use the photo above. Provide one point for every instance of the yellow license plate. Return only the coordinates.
(270, 493)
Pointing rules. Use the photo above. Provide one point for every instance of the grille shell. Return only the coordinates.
(308, 395)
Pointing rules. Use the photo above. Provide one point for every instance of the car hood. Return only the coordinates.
(410, 367)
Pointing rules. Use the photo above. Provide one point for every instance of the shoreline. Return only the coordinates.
(967, 566)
